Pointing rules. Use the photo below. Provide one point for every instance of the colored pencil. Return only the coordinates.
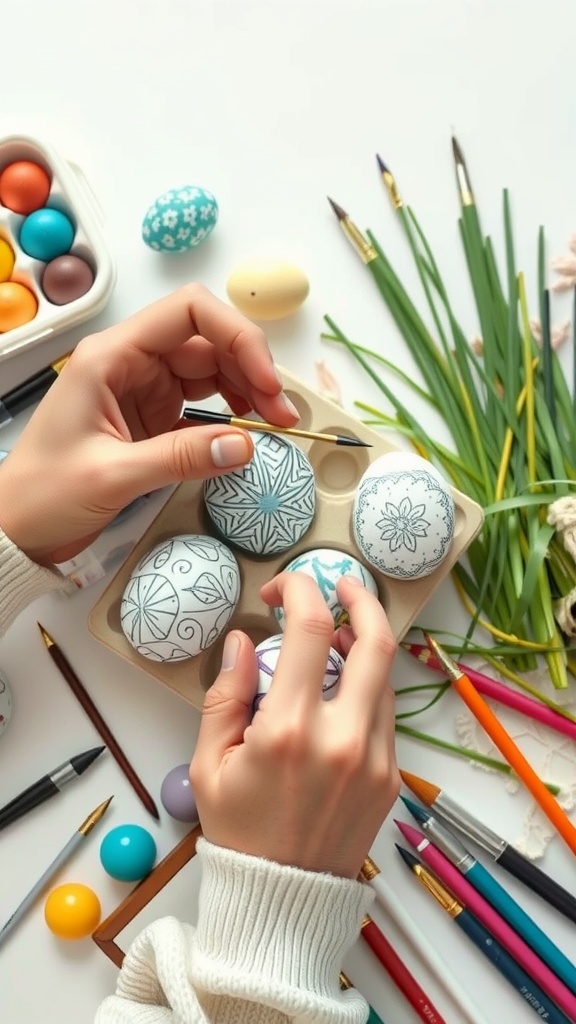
(395, 909)
(86, 702)
(207, 416)
(500, 929)
(498, 848)
(399, 973)
(501, 693)
(62, 858)
(485, 942)
(506, 745)
(491, 890)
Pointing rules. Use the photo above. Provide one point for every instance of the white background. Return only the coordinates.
(271, 106)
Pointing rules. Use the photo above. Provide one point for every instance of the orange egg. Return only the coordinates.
(18, 305)
(72, 911)
(24, 186)
(7, 260)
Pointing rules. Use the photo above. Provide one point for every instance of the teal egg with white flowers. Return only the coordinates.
(180, 219)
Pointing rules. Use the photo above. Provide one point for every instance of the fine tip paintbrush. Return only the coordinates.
(208, 416)
(390, 183)
(360, 243)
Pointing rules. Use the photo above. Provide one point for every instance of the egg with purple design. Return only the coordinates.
(267, 655)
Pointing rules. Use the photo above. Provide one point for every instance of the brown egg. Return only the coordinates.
(66, 278)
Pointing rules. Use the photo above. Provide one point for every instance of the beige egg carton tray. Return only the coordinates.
(337, 470)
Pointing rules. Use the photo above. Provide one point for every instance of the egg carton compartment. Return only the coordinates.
(337, 471)
(69, 194)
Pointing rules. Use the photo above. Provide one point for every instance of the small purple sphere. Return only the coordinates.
(177, 796)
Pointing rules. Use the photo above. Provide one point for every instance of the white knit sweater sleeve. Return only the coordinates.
(21, 581)
(267, 949)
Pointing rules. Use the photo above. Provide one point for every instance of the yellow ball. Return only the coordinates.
(6, 260)
(72, 911)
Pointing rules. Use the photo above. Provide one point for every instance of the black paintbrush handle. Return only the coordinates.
(27, 800)
(539, 882)
(206, 416)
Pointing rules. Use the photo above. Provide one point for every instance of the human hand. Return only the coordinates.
(105, 432)
(306, 782)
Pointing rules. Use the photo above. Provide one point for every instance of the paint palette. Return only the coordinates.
(337, 471)
(55, 269)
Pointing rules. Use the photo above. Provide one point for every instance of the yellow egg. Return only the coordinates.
(6, 260)
(267, 289)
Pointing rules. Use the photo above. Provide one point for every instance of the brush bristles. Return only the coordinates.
(425, 791)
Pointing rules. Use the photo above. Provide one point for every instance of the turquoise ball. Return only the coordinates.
(180, 219)
(128, 853)
(46, 234)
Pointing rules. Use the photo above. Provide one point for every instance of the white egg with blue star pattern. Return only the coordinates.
(403, 516)
(266, 506)
(180, 219)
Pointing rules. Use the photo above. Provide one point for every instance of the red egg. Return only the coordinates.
(24, 186)
(18, 305)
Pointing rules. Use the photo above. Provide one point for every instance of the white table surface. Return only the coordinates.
(271, 106)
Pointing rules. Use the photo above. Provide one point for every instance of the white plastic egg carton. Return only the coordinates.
(337, 472)
(71, 194)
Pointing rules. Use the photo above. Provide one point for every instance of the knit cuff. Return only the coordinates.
(277, 934)
(21, 581)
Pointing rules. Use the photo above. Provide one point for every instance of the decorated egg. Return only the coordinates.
(7, 259)
(180, 597)
(327, 566)
(267, 289)
(403, 516)
(267, 505)
(267, 654)
(180, 219)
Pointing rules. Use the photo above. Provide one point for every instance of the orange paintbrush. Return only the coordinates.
(506, 745)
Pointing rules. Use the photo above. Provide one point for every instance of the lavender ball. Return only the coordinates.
(177, 796)
(66, 278)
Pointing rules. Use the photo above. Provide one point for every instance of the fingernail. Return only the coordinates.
(230, 652)
(290, 405)
(230, 450)
(353, 580)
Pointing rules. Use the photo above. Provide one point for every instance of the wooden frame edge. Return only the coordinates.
(107, 931)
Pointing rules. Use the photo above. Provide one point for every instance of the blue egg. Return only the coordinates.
(46, 233)
(128, 852)
(180, 219)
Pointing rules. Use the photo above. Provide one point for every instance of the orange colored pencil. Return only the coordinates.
(506, 745)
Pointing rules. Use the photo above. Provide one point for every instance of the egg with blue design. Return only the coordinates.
(403, 517)
(326, 566)
(266, 506)
(180, 597)
(180, 219)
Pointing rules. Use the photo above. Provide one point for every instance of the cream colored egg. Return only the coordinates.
(267, 289)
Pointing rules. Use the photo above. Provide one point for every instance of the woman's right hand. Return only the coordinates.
(306, 782)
